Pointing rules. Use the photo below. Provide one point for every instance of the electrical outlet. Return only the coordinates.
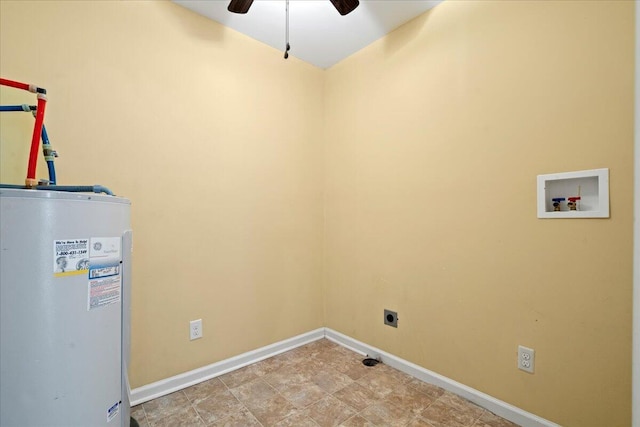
(526, 359)
(195, 329)
(391, 318)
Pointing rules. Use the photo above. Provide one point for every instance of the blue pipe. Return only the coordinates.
(16, 108)
(48, 156)
(52, 172)
(69, 188)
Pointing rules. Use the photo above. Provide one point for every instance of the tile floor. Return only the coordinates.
(319, 384)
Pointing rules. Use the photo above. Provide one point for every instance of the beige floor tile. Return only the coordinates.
(217, 407)
(331, 355)
(243, 418)
(143, 423)
(357, 421)
(419, 422)
(186, 419)
(488, 419)
(320, 345)
(272, 410)
(294, 356)
(294, 368)
(331, 380)
(355, 369)
(297, 420)
(426, 388)
(394, 373)
(285, 378)
(165, 406)
(340, 355)
(253, 390)
(440, 414)
(304, 394)
(348, 352)
(137, 410)
(329, 412)
(235, 378)
(387, 414)
(461, 405)
(269, 365)
(205, 389)
(381, 384)
(356, 396)
(137, 413)
(409, 399)
(313, 366)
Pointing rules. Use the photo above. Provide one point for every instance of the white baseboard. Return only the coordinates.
(187, 379)
(505, 410)
(498, 407)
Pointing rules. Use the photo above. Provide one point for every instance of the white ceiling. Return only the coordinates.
(318, 34)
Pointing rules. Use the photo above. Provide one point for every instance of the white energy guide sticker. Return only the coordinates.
(105, 279)
(70, 257)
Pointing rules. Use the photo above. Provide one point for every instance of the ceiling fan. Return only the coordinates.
(343, 6)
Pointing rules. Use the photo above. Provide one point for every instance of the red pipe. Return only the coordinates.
(35, 142)
(24, 86)
(31, 180)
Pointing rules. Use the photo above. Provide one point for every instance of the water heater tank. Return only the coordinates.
(64, 309)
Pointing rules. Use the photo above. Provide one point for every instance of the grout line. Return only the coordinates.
(144, 412)
(194, 408)
(252, 414)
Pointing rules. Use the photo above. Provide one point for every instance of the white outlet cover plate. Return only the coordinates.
(195, 329)
(526, 359)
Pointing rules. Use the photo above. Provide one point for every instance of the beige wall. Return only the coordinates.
(434, 137)
(217, 142)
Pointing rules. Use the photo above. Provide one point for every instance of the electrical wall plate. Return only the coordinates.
(526, 359)
(391, 318)
(195, 329)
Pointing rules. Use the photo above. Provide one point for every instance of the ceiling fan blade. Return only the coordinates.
(239, 6)
(345, 6)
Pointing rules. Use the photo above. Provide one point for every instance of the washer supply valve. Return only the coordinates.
(556, 203)
(573, 206)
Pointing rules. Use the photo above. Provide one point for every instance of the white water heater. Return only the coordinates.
(65, 280)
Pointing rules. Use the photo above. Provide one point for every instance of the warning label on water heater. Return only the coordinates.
(105, 280)
(113, 411)
(70, 257)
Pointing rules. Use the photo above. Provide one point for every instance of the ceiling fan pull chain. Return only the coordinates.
(287, 46)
